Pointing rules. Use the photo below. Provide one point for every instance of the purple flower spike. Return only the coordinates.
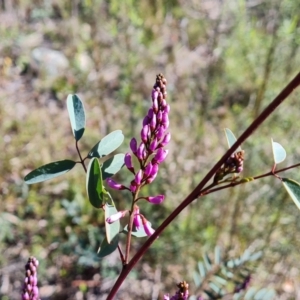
(166, 139)
(160, 156)
(133, 145)
(145, 133)
(115, 217)
(140, 151)
(128, 162)
(138, 177)
(156, 200)
(30, 290)
(114, 185)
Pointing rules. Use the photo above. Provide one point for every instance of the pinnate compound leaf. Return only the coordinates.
(49, 171)
(77, 116)
(231, 139)
(279, 152)
(107, 145)
(106, 248)
(293, 188)
(94, 183)
(112, 230)
(113, 165)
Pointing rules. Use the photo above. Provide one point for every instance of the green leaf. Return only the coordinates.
(94, 183)
(279, 152)
(107, 145)
(137, 233)
(220, 280)
(112, 230)
(293, 188)
(49, 171)
(207, 262)
(202, 270)
(217, 255)
(77, 116)
(112, 166)
(231, 139)
(106, 248)
(197, 279)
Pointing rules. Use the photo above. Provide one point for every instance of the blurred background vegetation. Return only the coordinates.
(224, 61)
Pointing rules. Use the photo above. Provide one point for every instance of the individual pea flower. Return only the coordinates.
(182, 292)
(147, 226)
(30, 289)
(115, 217)
(137, 221)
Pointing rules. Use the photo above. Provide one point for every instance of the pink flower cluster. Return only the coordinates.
(30, 290)
(150, 152)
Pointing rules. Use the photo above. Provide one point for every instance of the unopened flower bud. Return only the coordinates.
(114, 185)
(155, 106)
(153, 123)
(133, 145)
(138, 177)
(156, 199)
(160, 132)
(140, 151)
(148, 169)
(128, 162)
(145, 133)
(159, 117)
(160, 156)
(153, 173)
(146, 121)
(150, 113)
(166, 139)
(153, 145)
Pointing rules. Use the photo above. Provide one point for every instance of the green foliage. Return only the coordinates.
(293, 188)
(231, 139)
(94, 183)
(49, 171)
(223, 276)
(278, 152)
(77, 116)
(107, 145)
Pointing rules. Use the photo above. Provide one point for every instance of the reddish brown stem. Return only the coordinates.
(197, 191)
